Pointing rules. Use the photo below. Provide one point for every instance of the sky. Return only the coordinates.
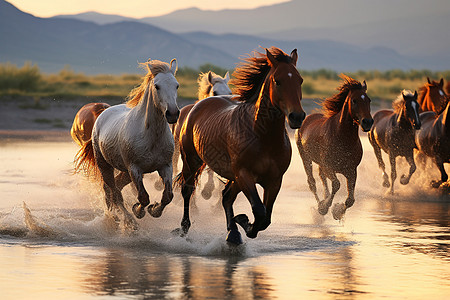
(130, 8)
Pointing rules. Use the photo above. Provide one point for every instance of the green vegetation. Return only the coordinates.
(29, 81)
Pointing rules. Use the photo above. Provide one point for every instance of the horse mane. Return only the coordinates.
(204, 86)
(423, 90)
(397, 104)
(154, 67)
(334, 104)
(251, 73)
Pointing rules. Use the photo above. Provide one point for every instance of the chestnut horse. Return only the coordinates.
(433, 140)
(331, 140)
(393, 131)
(432, 96)
(244, 139)
(83, 123)
(209, 84)
(135, 139)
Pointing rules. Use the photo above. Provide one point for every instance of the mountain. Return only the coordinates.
(101, 19)
(92, 48)
(412, 28)
(116, 47)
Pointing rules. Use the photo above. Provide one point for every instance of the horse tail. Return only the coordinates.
(181, 181)
(85, 161)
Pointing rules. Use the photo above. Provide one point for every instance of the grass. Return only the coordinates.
(318, 84)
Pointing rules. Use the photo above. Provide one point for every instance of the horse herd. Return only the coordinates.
(241, 136)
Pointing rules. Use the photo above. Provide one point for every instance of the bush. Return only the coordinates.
(26, 78)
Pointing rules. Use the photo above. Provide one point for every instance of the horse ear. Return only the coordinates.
(227, 77)
(209, 77)
(428, 79)
(173, 66)
(415, 95)
(272, 61)
(364, 85)
(294, 56)
(441, 83)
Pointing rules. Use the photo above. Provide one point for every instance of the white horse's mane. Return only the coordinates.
(204, 86)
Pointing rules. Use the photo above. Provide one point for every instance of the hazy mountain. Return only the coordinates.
(98, 18)
(117, 47)
(409, 27)
(92, 48)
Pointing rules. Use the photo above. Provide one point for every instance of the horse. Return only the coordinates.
(209, 84)
(83, 123)
(135, 139)
(330, 139)
(432, 96)
(433, 140)
(393, 131)
(243, 138)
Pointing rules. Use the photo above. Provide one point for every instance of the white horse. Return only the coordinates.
(135, 139)
(209, 84)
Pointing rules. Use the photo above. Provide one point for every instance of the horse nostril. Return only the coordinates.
(172, 117)
(296, 119)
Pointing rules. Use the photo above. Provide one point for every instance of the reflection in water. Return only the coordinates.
(422, 226)
(159, 277)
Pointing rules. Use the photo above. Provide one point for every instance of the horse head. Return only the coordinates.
(285, 88)
(165, 88)
(435, 92)
(359, 107)
(412, 108)
(218, 84)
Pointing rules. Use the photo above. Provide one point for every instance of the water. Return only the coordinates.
(57, 243)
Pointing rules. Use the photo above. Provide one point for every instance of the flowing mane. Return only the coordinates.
(153, 67)
(204, 86)
(251, 73)
(424, 89)
(334, 104)
(398, 103)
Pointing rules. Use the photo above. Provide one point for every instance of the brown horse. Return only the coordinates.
(433, 140)
(83, 123)
(432, 96)
(331, 140)
(245, 140)
(393, 131)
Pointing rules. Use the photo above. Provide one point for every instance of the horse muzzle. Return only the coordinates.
(172, 117)
(295, 120)
(366, 124)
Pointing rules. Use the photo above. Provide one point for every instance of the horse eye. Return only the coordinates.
(156, 87)
(215, 93)
(178, 86)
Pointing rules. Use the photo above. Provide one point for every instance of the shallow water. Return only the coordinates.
(57, 243)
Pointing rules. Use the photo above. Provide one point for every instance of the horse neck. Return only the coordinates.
(269, 121)
(346, 124)
(402, 119)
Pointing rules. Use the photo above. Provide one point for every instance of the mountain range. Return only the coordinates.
(342, 35)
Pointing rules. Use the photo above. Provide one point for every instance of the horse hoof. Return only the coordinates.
(386, 184)
(138, 211)
(178, 232)
(338, 211)
(436, 184)
(323, 207)
(404, 180)
(243, 221)
(234, 237)
(154, 210)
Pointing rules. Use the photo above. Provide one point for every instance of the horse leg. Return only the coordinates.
(393, 172)
(247, 185)
(209, 186)
(324, 205)
(229, 195)
(323, 177)
(155, 210)
(381, 165)
(112, 193)
(143, 198)
(307, 164)
(339, 209)
(444, 177)
(270, 195)
(122, 179)
(412, 168)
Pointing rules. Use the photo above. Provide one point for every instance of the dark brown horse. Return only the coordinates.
(393, 131)
(432, 96)
(331, 140)
(433, 140)
(83, 123)
(245, 140)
